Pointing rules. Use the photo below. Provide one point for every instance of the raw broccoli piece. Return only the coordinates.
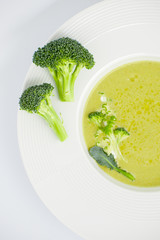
(36, 99)
(64, 58)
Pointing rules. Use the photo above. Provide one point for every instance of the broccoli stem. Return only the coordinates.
(74, 76)
(65, 79)
(49, 114)
(114, 147)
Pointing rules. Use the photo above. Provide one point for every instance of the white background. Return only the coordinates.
(25, 25)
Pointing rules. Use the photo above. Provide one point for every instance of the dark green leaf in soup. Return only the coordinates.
(103, 159)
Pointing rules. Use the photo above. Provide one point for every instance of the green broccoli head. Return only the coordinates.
(32, 97)
(64, 58)
(103, 121)
(96, 117)
(36, 99)
(121, 134)
(60, 51)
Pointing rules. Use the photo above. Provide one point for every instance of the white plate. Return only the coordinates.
(67, 181)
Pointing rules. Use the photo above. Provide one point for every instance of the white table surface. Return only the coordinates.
(25, 25)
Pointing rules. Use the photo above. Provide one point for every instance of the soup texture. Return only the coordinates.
(135, 92)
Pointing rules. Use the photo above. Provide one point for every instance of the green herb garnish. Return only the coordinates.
(104, 159)
(108, 139)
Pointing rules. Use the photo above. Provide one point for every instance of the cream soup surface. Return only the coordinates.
(135, 92)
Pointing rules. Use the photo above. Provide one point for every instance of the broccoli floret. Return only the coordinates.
(36, 99)
(121, 134)
(105, 122)
(64, 58)
(96, 117)
(109, 123)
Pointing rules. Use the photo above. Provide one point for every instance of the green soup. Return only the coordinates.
(135, 92)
